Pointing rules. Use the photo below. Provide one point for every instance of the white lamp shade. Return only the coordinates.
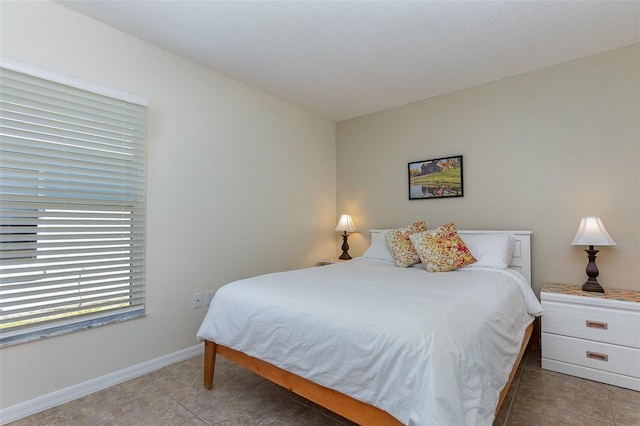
(592, 233)
(345, 224)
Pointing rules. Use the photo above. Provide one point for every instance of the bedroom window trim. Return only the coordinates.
(72, 204)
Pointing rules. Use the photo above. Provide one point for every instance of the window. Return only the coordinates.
(72, 204)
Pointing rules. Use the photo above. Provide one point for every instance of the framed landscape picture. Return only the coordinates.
(437, 178)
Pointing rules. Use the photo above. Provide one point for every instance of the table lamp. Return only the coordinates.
(592, 232)
(345, 225)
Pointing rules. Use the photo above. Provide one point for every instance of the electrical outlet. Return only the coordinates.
(208, 296)
(197, 300)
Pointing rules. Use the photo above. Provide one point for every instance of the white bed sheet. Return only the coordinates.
(428, 348)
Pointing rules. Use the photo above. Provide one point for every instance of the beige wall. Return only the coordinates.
(239, 183)
(541, 150)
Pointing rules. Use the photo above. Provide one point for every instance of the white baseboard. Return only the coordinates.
(53, 399)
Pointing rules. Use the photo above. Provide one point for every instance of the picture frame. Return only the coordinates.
(436, 178)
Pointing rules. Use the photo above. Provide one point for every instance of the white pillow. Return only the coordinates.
(491, 250)
(378, 249)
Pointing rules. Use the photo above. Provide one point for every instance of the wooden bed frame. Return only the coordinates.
(339, 403)
(344, 405)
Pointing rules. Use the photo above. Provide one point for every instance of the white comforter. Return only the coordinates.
(428, 348)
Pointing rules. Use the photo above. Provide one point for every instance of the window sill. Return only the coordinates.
(30, 336)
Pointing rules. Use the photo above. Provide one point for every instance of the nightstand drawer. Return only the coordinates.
(601, 356)
(602, 324)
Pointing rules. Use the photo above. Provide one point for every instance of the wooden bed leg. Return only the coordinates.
(209, 363)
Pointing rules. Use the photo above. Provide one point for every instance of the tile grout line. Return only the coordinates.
(613, 414)
(179, 403)
(573, 413)
(515, 393)
(517, 385)
(186, 408)
(69, 416)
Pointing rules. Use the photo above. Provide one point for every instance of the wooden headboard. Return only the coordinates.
(521, 260)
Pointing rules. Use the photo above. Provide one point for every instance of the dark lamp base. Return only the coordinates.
(590, 285)
(345, 248)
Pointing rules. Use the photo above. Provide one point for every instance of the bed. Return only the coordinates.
(379, 344)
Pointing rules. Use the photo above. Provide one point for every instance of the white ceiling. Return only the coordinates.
(345, 59)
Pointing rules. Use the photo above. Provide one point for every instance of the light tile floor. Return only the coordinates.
(174, 396)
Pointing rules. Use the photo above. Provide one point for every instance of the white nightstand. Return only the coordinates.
(330, 260)
(592, 335)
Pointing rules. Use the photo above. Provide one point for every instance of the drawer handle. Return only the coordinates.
(598, 325)
(598, 356)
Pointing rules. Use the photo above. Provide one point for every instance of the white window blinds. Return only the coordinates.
(72, 207)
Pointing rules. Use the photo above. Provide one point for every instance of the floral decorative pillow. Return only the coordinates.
(400, 245)
(441, 249)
